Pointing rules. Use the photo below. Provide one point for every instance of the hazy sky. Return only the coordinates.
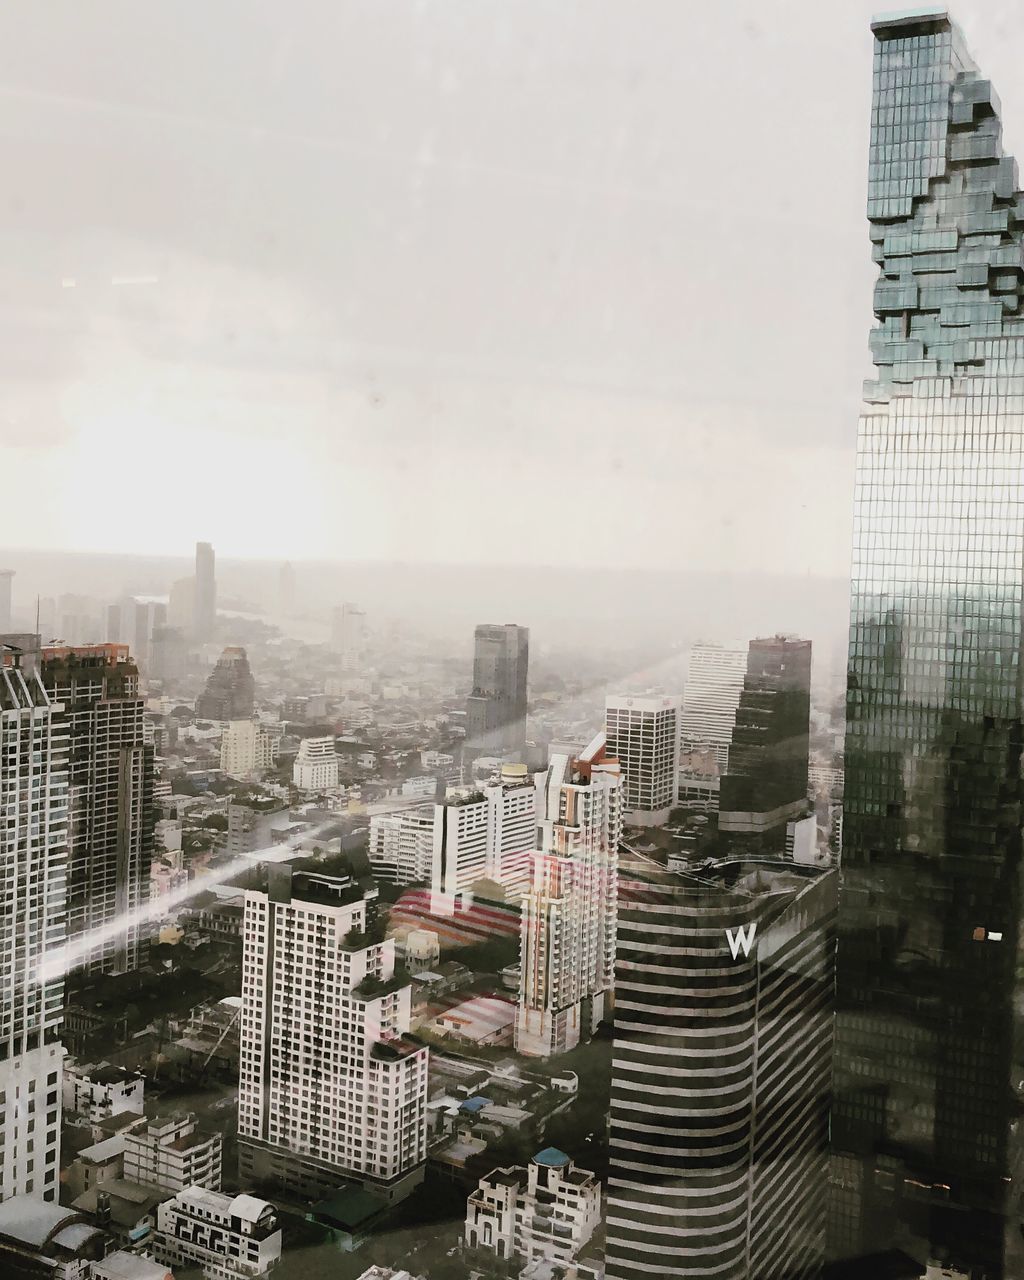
(528, 281)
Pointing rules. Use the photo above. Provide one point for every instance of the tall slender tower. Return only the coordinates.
(33, 867)
(111, 816)
(929, 1069)
(496, 708)
(567, 949)
(204, 616)
(6, 582)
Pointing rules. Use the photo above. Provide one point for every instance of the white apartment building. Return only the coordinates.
(246, 749)
(643, 735)
(33, 869)
(332, 1087)
(401, 847)
(316, 765)
(567, 939)
(170, 1153)
(97, 1090)
(229, 1237)
(548, 1210)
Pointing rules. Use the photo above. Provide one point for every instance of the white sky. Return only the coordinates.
(527, 281)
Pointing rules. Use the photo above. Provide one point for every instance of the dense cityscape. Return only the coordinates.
(333, 951)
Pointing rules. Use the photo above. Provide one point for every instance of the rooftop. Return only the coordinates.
(33, 1222)
(552, 1158)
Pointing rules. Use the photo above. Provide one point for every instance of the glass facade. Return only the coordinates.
(929, 1070)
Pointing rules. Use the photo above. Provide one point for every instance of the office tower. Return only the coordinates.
(496, 708)
(316, 765)
(33, 866)
(721, 1071)
(766, 784)
(230, 691)
(642, 733)
(348, 635)
(204, 604)
(168, 654)
(567, 939)
(181, 605)
(110, 805)
(926, 1126)
(714, 678)
(247, 749)
(113, 631)
(332, 1087)
(216, 1235)
(6, 583)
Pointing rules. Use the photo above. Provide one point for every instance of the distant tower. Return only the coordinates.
(230, 691)
(766, 785)
(643, 735)
(496, 708)
(348, 635)
(286, 589)
(6, 581)
(205, 609)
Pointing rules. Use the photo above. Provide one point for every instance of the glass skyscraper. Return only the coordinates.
(929, 1071)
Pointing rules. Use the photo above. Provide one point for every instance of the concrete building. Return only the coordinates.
(230, 692)
(643, 735)
(170, 1152)
(227, 1237)
(401, 846)
(97, 1090)
(332, 1087)
(111, 812)
(247, 749)
(497, 706)
(251, 824)
(125, 1265)
(33, 870)
(39, 1238)
(204, 600)
(711, 694)
(549, 1210)
(348, 636)
(567, 943)
(721, 1071)
(316, 766)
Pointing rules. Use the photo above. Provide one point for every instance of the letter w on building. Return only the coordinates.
(741, 937)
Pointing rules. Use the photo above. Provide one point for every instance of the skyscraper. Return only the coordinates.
(110, 813)
(567, 948)
(348, 635)
(230, 691)
(497, 707)
(926, 1124)
(714, 680)
(6, 581)
(332, 1087)
(766, 784)
(643, 735)
(33, 867)
(721, 1072)
(204, 611)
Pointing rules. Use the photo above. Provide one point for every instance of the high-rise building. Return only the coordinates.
(247, 749)
(33, 870)
(168, 654)
(143, 616)
(316, 766)
(230, 692)
(721, 1072)
(714, 678)
(181, 605)
(766, 784)
(567, 947)
(204, 605)
(6, 583)
(332, 1086)
(926, 1124)
(642, 733)
(348, 635)
(111, 813)
(497, 707)
(286, 588)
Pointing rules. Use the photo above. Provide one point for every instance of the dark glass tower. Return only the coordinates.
(929, 1074)
(496, 709)
(766, 783)
(230, 690)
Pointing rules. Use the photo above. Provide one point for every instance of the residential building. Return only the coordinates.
(497, 706)
(170, 1152)
(422, 950)
(111, 810)
(642, 733)
(401, 845)
(348, 636)
(721, 1071)
(332, 1087)
(247, 749)
(99, 1162)
(204, 601)
(567, 942)
(316, 766)
(95, 1090)
(926, 1125)
(226, 1237)
(230, 691)
(33, 871)
(766, 785)
(548, 1210)
(251, 824)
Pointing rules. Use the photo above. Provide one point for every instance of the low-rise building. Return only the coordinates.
(97, 1090)
(129, 1266)
(40, 1238)
(227, 1236)
(97, 1163)
(548, 1210)
(482, 1020)
(170, 1153)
